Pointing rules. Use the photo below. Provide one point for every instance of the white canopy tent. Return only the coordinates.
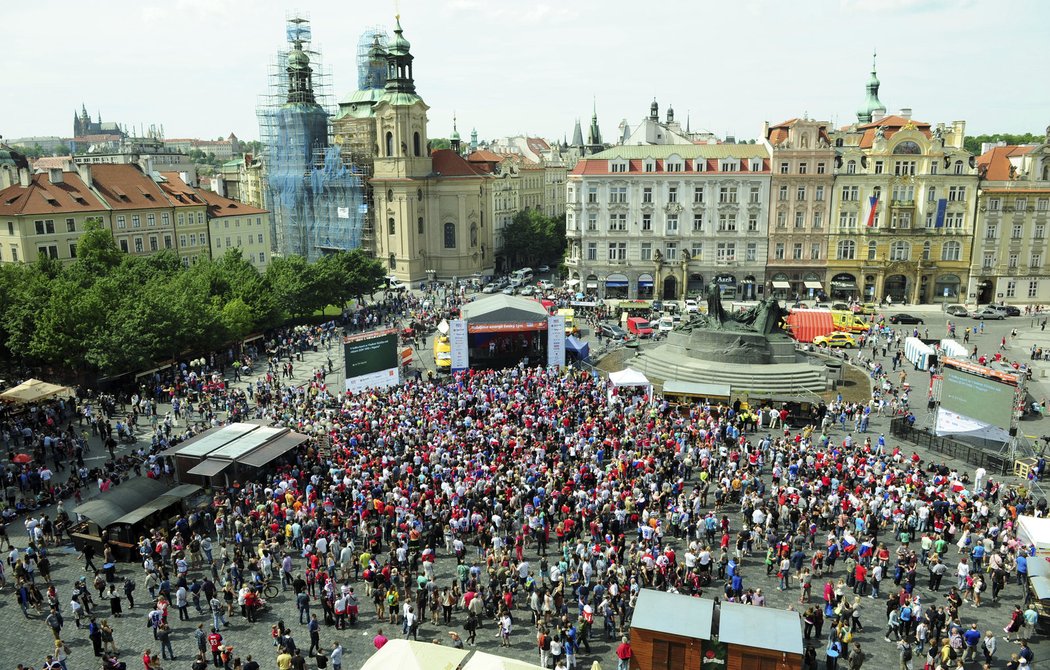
(629, 377)
(412, 655)
(482, 661)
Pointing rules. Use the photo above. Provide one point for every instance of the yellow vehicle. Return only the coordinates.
(848, 321)
(868, 308)
(836, 339)
(442, 353)
(570, 316)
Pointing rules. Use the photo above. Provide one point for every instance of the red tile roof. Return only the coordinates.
(447, 163)
(890, 125)
(43, 197)
(126, 187)
(994, 164)
(179, 192)
(218, 206)
(485, 156)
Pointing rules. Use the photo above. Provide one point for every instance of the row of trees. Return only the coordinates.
(110, 313)
(972, 143)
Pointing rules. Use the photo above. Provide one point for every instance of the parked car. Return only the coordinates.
(490, 288)
(666, 324)
(530, 290)
(691, 306)
(510, 290)
(905, 318)
(1010, 310)
(988, 313)
(545, 285)
(543, 268)
(957, 310)
(836, 339)
(613, 332)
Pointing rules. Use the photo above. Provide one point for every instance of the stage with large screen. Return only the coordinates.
(986, 400)
(371, 360)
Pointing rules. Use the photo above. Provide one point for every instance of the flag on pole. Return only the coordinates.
(942, 205)
(873, 208)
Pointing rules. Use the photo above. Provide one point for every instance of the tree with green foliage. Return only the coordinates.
(972, 143)
(532, 238)
(350, 274)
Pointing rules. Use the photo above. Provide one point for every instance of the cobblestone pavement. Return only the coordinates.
(27, 640)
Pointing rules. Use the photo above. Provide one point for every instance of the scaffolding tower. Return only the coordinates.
(316, 196)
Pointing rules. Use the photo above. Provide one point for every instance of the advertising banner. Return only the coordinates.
(457, 339)
(556, 341)
(371, 360)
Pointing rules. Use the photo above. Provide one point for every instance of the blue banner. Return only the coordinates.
(942, 205)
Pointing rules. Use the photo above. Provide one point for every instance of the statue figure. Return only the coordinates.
(715, 311)
(880, 134)
(658, 257)
(765, 318)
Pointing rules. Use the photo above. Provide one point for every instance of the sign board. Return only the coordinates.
(714, 654)
(556, 341)
(343, 212)
(457, 339)
(371, 360)
(515, 327)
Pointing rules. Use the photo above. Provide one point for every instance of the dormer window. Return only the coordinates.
(728, 166)
(674, 163)
(700, 165)
(756, 165)
(649, 165)
(617, 165)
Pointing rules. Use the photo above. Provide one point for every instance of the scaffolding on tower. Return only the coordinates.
(316, 195)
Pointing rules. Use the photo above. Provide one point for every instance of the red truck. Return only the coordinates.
(639, 326)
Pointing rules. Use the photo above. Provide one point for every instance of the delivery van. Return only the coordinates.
(639, 326)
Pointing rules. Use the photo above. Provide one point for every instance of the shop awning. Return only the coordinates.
(816, 285)
(616, 284)
(592, 284)
(781, 284)
(209, 467)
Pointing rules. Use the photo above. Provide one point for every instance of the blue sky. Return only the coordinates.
(508, 67)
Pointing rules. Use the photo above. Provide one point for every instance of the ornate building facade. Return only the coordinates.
(802, 183)
(664, 221)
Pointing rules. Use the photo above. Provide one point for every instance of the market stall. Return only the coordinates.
(34, 390)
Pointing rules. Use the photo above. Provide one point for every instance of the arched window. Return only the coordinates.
(951, 251)
(419, 226)
(393, 261)
(958, 167)
(450, 236)
(473, 235)
(415, 144)
(873, 249)
(391, 226)
(900, 251)
(847, 250)
(389, 143)
(907, 148)
(925, 251)
(390, 194)
(851, 167)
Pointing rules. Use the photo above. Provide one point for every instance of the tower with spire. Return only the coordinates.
(594, 134)
(454, 142)
(872, 105)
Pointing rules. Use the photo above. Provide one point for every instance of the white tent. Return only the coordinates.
(630, 377)
(412, 655)
(482, 661)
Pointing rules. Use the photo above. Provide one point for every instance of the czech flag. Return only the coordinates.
(866, 548)
(873, 209)
(848, 543)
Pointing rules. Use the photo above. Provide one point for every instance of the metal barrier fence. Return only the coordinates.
(997, 464)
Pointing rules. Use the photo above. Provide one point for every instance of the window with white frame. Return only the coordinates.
(727, 194)
(592, 194)
(803, 167)
(850, 193)
(873, 250)
(931, 194)
(649, 165)
(1020, 204)
(1018, 231)
(697, 250)
(1040, 231)
(617, 222)
(592, 251)
(725, 251)
(1012, 260)
(818, 195)
(698, 194)
(618, 194)
(756, 165)
(671, 251)
(778, 251)
(617, 251)
(958, 167)
(672, 224)
(592, 223)
(755, 195)
(800, 219)
(956, 194)
(818, 220)
(988, 261)
(991, 231)
(1036, 261)
(727, 223)
(647, 194)
(951, 251)
(878, 167)
(994, 204)
(800, 193)
(847, 220)
(674, 165)
(647, 251)
(1011, 289)
(617, 166)
(847, 250)
(752, 223)
(1042, 204)
(700, 165)
(751, 253)
(900, 251)
(784, 166)
(781, 219)
(904, 168)
(647, 222)
(698, 223)
(933, 166)
(851, 167)
(782, 193)
(926, 251)
(814, 251)
(796, 251)
(1033, 288)
(672, 194)
(729, 166)
(820, 167)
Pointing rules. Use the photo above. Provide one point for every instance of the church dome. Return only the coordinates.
(400, 46)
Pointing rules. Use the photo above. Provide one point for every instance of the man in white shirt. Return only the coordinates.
(978, 476)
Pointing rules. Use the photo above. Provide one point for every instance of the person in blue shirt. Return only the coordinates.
(738, 585)
(1022, 569)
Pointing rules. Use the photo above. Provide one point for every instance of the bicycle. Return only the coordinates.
(270, 591)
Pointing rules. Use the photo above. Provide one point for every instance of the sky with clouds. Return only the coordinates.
(506, 67)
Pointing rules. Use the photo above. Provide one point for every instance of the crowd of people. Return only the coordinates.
(535, 504)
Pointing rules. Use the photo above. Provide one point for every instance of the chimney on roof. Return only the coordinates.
(765, 129)
(905, 112)
(84, 170)
(23, 177)
(54, 175)
(878, 116)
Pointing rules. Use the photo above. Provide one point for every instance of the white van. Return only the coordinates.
(394, 284)
(522, 276)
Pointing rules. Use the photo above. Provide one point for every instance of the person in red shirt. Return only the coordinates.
(624, 654)
(860, 574)
(215, 644)
(379, 640)
(147, 659)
